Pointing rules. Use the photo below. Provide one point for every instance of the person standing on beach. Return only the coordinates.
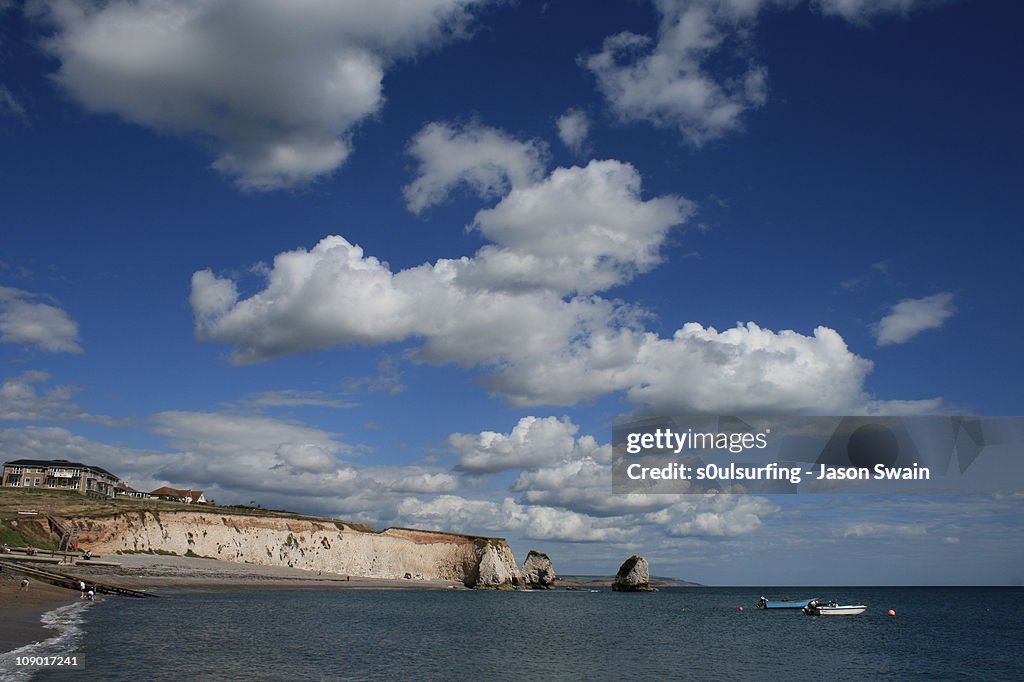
(24, 585)
(81, 587)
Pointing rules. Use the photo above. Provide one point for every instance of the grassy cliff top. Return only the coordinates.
(69, 504)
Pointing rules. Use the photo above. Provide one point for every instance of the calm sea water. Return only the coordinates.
(678, 633)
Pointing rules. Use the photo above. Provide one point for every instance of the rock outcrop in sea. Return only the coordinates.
(634, 576)
(538, 573)
(308, 543)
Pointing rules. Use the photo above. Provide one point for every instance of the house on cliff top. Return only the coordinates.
(176, 495)
(59, 474)
(125, 490)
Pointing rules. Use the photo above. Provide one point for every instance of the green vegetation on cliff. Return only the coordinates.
(70, 504)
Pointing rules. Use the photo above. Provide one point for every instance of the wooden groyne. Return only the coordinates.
(70, 581)
(54, 556)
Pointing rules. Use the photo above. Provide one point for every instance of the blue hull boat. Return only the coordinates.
(764, 603)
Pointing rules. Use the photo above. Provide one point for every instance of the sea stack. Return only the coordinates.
(634, 576)
(538, 573)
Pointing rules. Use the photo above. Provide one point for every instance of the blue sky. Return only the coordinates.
(402, 262)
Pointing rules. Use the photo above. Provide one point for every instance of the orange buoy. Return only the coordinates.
(741, 609)
(891, 612)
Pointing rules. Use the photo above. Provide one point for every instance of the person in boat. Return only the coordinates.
(762, 603)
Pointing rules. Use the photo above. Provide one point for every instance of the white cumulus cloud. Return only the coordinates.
(238, 458)
(859, 11)
(714, 515)
(274, 87)
(488, 160)
(559, 470)
(135, 466)
(747, 369)
(20, 399)
(246, 455)
(534, 442)
(665, 80)
(526, 308)
(676, 79)
(583, 485)
(573, 129)
(582, 229)
(27, 320)
(452, 512)
(911, 316)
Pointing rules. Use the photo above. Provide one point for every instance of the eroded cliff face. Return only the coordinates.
(495, 566)
(316, 545)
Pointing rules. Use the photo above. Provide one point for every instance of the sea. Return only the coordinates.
(698, 633)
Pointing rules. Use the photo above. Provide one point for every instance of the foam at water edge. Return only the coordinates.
(67, 620)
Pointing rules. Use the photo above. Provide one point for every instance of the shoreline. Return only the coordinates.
(21, 623)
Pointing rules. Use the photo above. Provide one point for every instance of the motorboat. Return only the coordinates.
(845, 610)
(816, 607)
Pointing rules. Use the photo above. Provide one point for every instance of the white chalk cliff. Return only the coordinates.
(307, 543)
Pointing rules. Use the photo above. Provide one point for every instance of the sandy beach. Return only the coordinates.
(20, 623)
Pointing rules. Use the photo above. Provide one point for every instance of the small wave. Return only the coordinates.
(67, 621)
